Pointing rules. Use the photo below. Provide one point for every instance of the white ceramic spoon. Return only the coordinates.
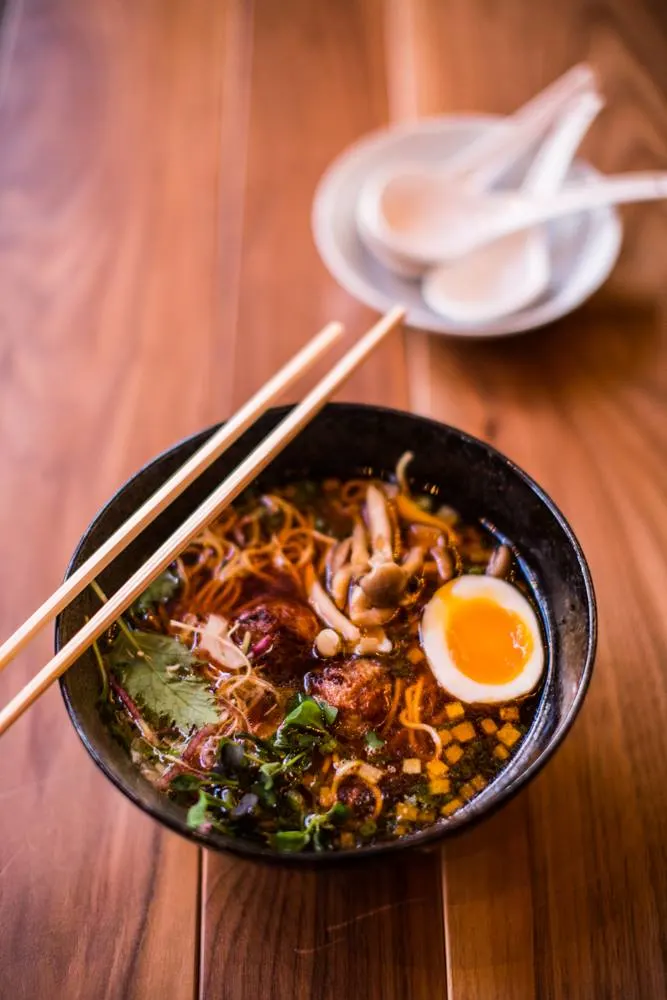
(476, 166)
(430, 226)
(509, 274)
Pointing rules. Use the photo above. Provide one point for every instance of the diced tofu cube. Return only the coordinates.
(412, 765)
(451, 807)
(326, 797)
(463, 732)
(501, 752)
(508, 735)
(445, 736)
(453, 753)
(454, 710)
(467, 791)
(347, 839)
(439, 786)
(436, 768)
(406, 812)
(488, 726)
(415, 655)
(509, 713)
(478, 782)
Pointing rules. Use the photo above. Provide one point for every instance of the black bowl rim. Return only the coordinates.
(420, 839)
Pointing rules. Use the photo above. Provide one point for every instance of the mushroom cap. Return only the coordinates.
(384, 585)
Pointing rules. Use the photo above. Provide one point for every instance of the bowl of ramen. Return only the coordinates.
(377, 644)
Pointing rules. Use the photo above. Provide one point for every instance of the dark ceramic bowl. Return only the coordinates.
(343, 441)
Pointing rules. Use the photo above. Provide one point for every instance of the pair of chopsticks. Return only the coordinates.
(223, 495)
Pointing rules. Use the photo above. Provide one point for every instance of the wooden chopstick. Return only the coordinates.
(174, 486)
(228, 490)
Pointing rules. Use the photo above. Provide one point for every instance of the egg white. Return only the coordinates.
(445, 670)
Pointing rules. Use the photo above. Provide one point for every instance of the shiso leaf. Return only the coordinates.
(150, 668)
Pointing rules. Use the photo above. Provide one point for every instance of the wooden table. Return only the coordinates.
(157, 167)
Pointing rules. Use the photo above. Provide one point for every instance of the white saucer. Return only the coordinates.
(584, 248)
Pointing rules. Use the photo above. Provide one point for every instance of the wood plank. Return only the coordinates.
(562, 894)
(374, 932)
(318, 82)
(115, 119)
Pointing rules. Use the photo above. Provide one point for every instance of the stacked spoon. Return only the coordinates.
(482, 250)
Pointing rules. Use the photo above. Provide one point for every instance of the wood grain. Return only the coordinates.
(112, 221)
(156, 265)
(371, 933)
(563, 894)
(317, 83)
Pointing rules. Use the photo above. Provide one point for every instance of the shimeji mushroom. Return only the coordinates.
(500, 562)
(348, 560)
(384, 585)
(327, 611)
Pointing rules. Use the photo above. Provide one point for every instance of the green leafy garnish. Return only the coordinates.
(152, 670)
(373, 741)
(291, 841)
(161, 589)
(310, 713)
(197, 814)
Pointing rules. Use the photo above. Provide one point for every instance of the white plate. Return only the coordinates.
(584, 248)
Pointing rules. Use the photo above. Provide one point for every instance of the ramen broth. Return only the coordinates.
(278, 681)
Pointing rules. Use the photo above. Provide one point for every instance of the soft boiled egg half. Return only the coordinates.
(482, 640)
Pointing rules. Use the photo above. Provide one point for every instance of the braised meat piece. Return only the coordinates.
(359, 688)
(282, 632)
(357, 797)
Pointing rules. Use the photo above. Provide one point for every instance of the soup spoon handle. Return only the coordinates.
(554, 158)
(523, 212)
(499, 148)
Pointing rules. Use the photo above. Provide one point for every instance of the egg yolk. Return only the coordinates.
(488, 643)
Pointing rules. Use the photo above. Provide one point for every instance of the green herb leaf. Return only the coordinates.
(148, 668)
(290, 841)
(315, 824)
(185, 783)
(338, 812)
(308, 714)
(197, 814)
(373, 741)
(160, 590)
(328, 711)
(269, 770)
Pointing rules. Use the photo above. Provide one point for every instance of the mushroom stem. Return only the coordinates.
(401, 468)
(363, 614)
(339, 555)
(444, 561)
(379, 525)
(413, 561)
(340, 584)
(327, 611)
(373, 642)
(500, 562)
(359, 557)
